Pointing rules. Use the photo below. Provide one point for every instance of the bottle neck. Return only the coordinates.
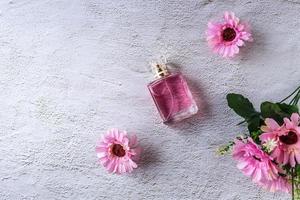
(160, 70)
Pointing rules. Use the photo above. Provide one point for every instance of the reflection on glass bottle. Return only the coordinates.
(171, 95)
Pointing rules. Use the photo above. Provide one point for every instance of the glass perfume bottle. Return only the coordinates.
(171, 95)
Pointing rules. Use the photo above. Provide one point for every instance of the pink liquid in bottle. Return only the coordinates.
(172, 95)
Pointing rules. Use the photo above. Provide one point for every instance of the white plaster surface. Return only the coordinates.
(71, 69)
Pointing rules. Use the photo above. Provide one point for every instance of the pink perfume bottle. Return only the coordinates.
(171, 95)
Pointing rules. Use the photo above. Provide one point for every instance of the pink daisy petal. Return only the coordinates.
(257, 175)
(236, 49)
(241, 27)
(110, 166)
(286, 159)
(295, 119)
(267, 136)
(288, 123)
(292, 159)
(225, 51)
(271, 124)
(245, 36)
(249, 170)
(241, 165)
(264, 128)
(297, 156)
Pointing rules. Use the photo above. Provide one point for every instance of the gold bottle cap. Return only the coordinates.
(159, 70)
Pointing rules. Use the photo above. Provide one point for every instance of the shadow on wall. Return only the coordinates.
(150, 157)
(148, 162)
(258, 43)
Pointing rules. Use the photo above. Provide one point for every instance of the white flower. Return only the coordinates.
(270, 144)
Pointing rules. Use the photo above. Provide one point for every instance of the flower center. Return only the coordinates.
(118, 150)
(228, 34)
(290, 138)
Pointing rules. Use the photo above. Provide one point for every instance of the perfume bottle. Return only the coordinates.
(171, 94)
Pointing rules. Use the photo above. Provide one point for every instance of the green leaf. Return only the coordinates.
(244, 108)
(254, 123)
(289, 109)
(277, 111)
(241, 105)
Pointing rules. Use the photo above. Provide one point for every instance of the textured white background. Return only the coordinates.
(71, 69)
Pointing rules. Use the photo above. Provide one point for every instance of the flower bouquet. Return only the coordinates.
(270, 152)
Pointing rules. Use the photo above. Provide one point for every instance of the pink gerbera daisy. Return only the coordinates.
(118, 152)
(258, 165)
(287, 136)
(226, 37)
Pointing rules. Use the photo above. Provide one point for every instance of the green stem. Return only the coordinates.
(296, 187)
(293, 183)
(297, 97)
(290, 95)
